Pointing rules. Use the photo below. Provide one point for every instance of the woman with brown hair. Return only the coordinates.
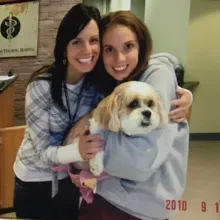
(146, 170)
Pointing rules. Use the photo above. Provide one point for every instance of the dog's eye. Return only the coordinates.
(133, 104)
(150, 103)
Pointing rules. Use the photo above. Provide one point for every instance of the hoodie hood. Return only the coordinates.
(170, 61)
(165, 58)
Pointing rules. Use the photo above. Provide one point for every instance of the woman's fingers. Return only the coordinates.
(92, 137)
(94, 150)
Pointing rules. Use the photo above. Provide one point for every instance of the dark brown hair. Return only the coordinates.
(103, 81)
(71, 25)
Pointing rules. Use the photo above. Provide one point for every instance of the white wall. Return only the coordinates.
(168, 21)
(116, 5)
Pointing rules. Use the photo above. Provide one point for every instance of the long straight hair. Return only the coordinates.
(71, 25)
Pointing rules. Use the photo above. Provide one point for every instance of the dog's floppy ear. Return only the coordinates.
(164, 116)
(107, 112)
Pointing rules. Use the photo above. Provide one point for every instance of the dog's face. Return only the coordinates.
(133, 107)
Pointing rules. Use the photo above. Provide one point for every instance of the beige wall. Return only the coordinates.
(168, 21)
(203, 64)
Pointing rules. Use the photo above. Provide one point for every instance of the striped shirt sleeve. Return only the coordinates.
(37, 106)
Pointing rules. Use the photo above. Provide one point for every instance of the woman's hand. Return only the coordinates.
(183, 104)
(77, 129)
(89, 145)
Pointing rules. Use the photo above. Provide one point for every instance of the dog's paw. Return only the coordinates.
(96, 164)
(96, 169)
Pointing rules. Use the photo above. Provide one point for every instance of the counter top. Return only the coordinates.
(6, 81)
(190, 85)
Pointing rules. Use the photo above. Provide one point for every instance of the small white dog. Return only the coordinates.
(133, 108)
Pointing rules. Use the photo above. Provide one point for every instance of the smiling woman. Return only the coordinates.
(56, 97)
(138, 188)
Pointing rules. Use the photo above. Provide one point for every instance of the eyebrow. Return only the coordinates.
(108, 45)
(79, 38)
(130, 41)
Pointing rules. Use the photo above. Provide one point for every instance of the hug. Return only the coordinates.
(105, 106)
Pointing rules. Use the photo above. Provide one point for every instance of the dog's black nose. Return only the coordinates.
(146, 114)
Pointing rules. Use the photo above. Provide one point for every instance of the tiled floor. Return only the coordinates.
(203, 182)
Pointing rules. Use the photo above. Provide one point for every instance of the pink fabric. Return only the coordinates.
(84, 175)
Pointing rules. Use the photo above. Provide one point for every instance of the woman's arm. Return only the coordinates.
(181, 91)
(182, 105)
(136, 158)
(37, 107)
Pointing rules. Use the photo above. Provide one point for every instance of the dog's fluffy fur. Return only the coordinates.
(134, 108)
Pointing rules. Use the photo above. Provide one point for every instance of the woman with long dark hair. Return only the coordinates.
(57, 96)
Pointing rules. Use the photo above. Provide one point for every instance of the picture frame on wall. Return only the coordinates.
(19, 24)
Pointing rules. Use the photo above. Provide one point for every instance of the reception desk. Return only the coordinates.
(190, 85)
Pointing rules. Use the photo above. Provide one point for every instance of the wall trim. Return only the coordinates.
(205, 136)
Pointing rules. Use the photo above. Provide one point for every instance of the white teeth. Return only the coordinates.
(85, 60)
(120, 68)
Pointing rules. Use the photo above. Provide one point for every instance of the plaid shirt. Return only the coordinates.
(46, 126)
